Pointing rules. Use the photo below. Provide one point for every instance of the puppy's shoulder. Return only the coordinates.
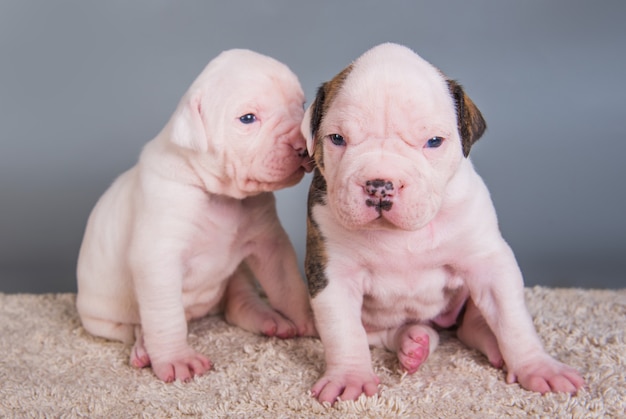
(316, 258)
(469, 208)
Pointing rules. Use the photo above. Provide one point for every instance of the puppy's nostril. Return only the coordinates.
(379, 183)
(379, 187)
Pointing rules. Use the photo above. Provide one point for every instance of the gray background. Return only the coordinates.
(83, 85)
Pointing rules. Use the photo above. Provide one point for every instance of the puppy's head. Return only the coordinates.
(387, 134)
(241, 120)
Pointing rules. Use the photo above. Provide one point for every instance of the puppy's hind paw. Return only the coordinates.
(139, 356)
(415, 343)
(256, 316)
(277, 325)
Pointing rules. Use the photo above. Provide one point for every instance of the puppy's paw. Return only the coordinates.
(345, 385)
(304, 323)
(256, 316)
(307, 327)
(545, 375)
(182, 367)
(273, 323)
(413, 350)
(139, 355)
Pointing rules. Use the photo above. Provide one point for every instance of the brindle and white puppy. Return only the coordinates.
(176, 237)
(402, 233)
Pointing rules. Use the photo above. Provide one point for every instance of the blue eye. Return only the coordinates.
(434, 142)
(247, 118)
(337, 139)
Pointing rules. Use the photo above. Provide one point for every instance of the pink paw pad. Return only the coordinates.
(413, 351)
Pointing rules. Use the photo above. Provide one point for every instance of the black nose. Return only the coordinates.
(379, 188)
(381, 194)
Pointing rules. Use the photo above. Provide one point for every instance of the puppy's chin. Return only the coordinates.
(372, 219)
(252, 186)
(292, 180)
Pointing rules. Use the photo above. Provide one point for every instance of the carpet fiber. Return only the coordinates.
(50, 367)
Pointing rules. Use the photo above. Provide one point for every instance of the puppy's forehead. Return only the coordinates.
(245, 69)
(237, 82)
(390, 77)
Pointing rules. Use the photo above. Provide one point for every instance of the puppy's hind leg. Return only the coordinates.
(475, 333)
(123, 332)
(245, 308)
(412, 342)
(108, 329)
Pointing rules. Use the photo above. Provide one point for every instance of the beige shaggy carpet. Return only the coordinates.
(50, 367)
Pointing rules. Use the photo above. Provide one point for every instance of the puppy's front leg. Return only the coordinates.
(497, 289)
(349, 370)
(158, 279)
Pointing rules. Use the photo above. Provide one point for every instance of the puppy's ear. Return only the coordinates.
(313, 118)
(305, 128)
(470, 121)
(315, 113)
(187, 126)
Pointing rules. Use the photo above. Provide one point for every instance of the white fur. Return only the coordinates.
(437, 246)
(167, 238)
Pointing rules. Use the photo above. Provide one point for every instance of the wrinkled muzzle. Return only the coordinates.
(393, 195)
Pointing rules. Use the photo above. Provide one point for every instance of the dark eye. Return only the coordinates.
(337, 139)
(434, 142)
(247, 118)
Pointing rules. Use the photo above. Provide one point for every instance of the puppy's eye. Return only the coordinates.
(337, 139)
(247, 118)
(434, 142)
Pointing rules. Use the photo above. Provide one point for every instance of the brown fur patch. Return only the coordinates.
(316, 258)
(470, 121)
(325, 95)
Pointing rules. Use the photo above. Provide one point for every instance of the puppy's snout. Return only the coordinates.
(302, 152)
(297, 142)
(380, 193)
(307, 161)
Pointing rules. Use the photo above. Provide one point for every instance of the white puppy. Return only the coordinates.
(402, 234)
(176, 236)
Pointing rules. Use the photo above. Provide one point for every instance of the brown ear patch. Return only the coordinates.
(316, 259)
(470, 121)
(325, 95)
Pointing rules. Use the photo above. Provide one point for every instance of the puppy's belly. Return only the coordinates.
(435, 296)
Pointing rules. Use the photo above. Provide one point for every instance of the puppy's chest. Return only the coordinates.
(224, 233)
(226, 223)
(409, 291)
(405, 277)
